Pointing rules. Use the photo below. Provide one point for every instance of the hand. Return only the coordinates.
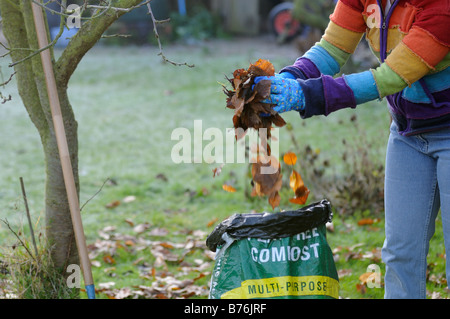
(285, 92)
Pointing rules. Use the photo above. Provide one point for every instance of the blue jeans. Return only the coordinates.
(417, 185)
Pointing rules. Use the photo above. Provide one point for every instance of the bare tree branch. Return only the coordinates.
(86, 37)
(36, 52)
(90, 32)
(9, 80)
(161, 53)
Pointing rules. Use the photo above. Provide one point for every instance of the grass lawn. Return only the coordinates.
(127, 103)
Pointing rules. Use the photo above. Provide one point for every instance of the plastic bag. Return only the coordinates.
(274, 255)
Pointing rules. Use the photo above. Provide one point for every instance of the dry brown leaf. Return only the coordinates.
(141, 228)
(109, 259)
(129, 222)
(367, 221)
(267, 184)
(129, 242)
(274, 200)
(217, 170)
(113, 204)
(300, 190)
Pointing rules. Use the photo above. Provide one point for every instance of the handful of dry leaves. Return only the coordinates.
(250, 112)
(245, 98)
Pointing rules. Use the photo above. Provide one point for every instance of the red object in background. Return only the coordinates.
(282, 22)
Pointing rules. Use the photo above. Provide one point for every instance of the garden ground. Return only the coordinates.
(147, 225)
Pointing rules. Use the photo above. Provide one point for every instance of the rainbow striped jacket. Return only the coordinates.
(411, 39)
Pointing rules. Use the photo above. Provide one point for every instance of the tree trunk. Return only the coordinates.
(19, 30)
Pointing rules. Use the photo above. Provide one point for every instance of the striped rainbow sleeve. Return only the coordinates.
(417, 55)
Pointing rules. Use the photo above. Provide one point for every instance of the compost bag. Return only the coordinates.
(274, 255)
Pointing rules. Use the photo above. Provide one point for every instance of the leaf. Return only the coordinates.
(300, 190)
(290, 158)
(229, 188)
(217, 170)
(158, 232)
(167, 245)
(109, 259)
(129, 199)
(113, 204)
(212, 222)
(141, 228)
(129, 222)
(129, 242)
(367, 221)
(274, 200)
(265, 184)
(262, 67)
(368, 276)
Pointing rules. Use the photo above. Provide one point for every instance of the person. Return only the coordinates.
(411, 38)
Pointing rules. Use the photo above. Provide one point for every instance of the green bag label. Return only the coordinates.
(299, 266)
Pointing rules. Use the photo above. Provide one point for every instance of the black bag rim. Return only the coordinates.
(271, 225)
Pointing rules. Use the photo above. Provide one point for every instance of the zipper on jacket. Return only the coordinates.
(385, 27)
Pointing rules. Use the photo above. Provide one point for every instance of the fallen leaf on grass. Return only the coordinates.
(361, 288)
(113, 204)
(158, 232)
(367, 221)
(109, 260)
(162, 284)
(129, 199)
(141, 228)
(129, 222)
(367, 277)
(217, 170)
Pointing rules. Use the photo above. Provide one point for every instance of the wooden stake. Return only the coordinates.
(30, 224)
(62, 146)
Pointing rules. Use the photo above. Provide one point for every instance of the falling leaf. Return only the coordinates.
(300, 190)
(290, 158)
(267, 179)
(229, 188)
(274, 200)
(212, 222)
